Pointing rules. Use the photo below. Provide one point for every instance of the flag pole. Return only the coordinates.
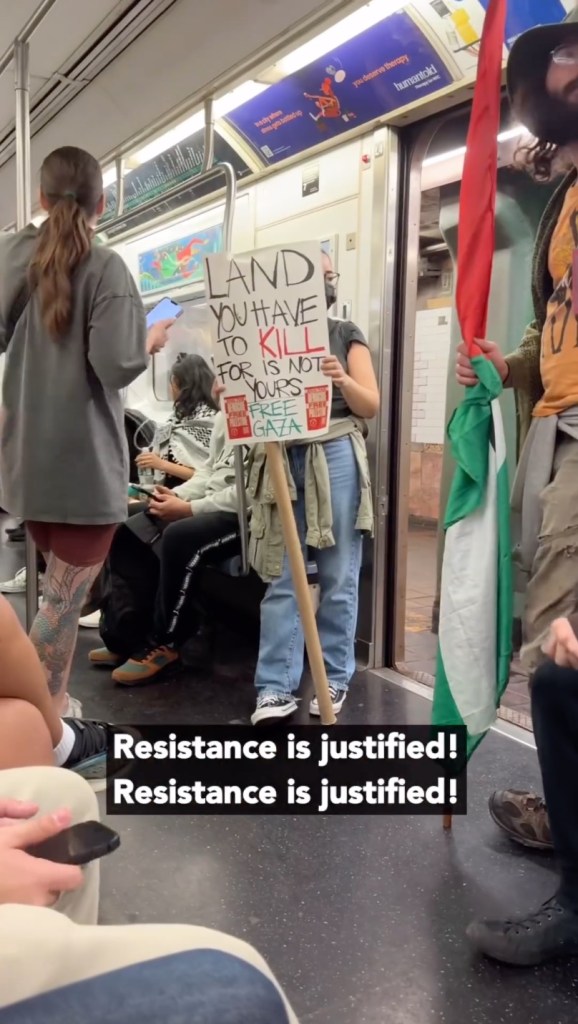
(476, 227)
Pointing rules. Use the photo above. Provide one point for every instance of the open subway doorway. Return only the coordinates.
(428, 390)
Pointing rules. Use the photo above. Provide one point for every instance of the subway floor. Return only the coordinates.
(361, 918)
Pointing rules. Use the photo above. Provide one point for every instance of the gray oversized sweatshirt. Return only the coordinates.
(63, 450)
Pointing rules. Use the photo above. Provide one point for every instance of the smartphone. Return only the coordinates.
(142, 490)
(78, 844)
(166, 309)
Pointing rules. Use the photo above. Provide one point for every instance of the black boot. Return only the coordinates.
(549, 933)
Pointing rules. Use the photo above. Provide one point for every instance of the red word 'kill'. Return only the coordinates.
(274, 344)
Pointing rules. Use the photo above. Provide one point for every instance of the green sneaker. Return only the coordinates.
(145, 666)
(103, 657)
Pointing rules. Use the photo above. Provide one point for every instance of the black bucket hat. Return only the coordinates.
(530, 55)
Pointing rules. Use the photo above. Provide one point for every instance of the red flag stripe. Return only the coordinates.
(476, 228)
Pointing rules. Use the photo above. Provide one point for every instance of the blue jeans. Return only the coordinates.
(203, 986)
(282, 646)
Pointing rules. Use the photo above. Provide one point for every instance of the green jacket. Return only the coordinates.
(524, 363)
(267, 545)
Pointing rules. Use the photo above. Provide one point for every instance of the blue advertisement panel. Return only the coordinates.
(524, 14)
(385, 68)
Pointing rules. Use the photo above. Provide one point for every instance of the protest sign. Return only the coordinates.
(268, 321)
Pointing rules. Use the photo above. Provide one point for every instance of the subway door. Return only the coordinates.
(378, 231)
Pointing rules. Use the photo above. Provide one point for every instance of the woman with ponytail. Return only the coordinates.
(73, 327)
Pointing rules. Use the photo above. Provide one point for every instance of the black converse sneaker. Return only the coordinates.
(88, 755)
(337, 699)
(273, 707)
(551, 932)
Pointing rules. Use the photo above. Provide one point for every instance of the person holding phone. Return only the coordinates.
(72, 325)
(58, 963)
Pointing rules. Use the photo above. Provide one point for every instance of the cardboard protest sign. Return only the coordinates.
(268, 320)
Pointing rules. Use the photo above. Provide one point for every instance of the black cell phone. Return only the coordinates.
(142, 490)
(79, 844)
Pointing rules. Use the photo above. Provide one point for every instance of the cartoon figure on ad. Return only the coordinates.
(328, 103)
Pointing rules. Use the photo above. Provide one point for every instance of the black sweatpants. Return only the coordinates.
(555, 716)
(150, 592)
(186, 546)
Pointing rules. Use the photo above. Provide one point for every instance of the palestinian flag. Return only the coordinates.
(476, 606)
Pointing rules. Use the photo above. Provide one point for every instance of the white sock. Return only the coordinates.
(63, 749)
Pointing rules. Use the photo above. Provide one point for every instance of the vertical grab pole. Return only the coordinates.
(209, 152)
(240, 482)
(23, 216)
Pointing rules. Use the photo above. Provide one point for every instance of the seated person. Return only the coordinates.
(179, 448)
(31, 732)
(552, 930)
(148, 610)
(50, 939)
(181, 445)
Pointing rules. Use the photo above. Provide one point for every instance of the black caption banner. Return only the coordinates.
(304, 770)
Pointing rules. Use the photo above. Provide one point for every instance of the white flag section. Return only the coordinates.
(268, 322)
(475, 607)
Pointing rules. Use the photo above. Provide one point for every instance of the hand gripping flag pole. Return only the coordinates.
(475, 630)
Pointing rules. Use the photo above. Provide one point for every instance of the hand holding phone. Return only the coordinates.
(137, 489)
(77, 845)
(166, 309)
(30, 880)
(159, 320)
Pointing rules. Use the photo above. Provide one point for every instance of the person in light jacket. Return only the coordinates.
(149, 609)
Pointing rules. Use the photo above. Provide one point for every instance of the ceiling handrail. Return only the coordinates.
(26, 32)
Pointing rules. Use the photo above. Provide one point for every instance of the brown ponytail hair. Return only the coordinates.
(71, 189)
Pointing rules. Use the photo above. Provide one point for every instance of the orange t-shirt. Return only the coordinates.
(559, 354)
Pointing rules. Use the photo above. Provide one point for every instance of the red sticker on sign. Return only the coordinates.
(238, 419)
(317, 405)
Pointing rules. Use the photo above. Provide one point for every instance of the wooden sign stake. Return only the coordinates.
(447, 822)
(299, 574)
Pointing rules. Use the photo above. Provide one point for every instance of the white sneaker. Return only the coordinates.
(273, 707)
(337, 700)
(90, 621)
(73, 708)
(17, 585)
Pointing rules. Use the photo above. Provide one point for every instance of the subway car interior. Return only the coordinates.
(208, 121)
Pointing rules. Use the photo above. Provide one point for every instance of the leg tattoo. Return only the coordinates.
(55, 628)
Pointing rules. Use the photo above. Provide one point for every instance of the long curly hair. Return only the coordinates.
(194, 379)
(541, 160)
(71, 185)
(548, 116)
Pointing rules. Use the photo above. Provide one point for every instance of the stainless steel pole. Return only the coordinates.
(23, 216)
(26, 31)
(209, 152)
